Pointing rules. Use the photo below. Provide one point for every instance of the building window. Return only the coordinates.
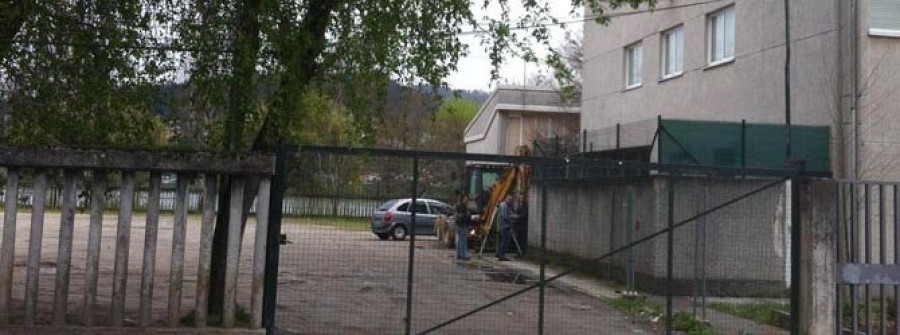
(633, 65)
(884, 18)
(720, 25)
(672, 52)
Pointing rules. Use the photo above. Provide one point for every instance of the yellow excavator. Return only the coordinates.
(488, 185)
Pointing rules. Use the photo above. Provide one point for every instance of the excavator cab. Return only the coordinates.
(480, 180)
(487, 185)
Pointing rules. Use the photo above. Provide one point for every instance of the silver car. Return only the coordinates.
(392, 218)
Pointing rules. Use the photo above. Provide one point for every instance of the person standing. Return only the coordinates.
(463, 222)
(504, 227)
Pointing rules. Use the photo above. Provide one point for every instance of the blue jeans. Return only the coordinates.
(462, 241)
(503, 244)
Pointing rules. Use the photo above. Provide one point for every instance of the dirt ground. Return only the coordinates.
(335, 281)
(332, 281)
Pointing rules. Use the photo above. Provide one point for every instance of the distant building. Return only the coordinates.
(515, 115)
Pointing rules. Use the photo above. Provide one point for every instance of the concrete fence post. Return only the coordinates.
(64, 252)
(9, 244)
(233, 250)
(151, 235)
(123, 243)
(35, 240)
(176, 272)
(259, 253)
(818, 201)
(92, 268)
(206, 236)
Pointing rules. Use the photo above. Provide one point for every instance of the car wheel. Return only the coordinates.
(383, 236)
(399, 233)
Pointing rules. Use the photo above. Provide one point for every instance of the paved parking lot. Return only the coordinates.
(337, 281)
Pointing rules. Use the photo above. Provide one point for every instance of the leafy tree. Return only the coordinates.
(573, 58)
(449, 123)
(65, 86)
(84, 73)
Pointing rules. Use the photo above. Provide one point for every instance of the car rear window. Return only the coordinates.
(403, 207)
(387, 205)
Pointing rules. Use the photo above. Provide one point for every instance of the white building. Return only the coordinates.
(724, 61)
(518, 115)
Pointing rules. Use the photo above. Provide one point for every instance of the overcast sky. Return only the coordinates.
(475, 70)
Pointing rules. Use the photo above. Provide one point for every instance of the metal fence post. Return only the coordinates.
(612, 230)
(659, 140)
(273, 237)
(629, 238)
(412, 247)
(543, 292)
(743, 143)
(669, 246)
(618, 140)
(583, 141)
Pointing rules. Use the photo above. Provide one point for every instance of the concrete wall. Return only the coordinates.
(746, 244)
(521, 128)
(879, 128)
(490, 144)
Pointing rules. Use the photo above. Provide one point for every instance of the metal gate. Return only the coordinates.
(868, 278)
(608, 247)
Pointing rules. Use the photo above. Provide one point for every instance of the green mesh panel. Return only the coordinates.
(719, 143)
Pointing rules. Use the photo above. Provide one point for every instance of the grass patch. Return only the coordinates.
(770, 313)
(687, 322)
(353, 224)
(874, 307)
(241, 318)
(638, 307)
(652, 312)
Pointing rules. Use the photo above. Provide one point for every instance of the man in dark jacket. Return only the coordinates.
(505, 214)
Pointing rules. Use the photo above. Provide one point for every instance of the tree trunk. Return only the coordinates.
(301, 66)
(243, 95)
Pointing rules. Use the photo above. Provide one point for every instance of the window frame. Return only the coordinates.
(712, 19)
(630, 61)
(676, 31)
(877, 10)
(423, 204)
(404, 207)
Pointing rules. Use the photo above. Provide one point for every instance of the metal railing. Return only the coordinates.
(868, 254)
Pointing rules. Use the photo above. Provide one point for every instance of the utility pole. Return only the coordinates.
(787, 83)
(854, 110)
